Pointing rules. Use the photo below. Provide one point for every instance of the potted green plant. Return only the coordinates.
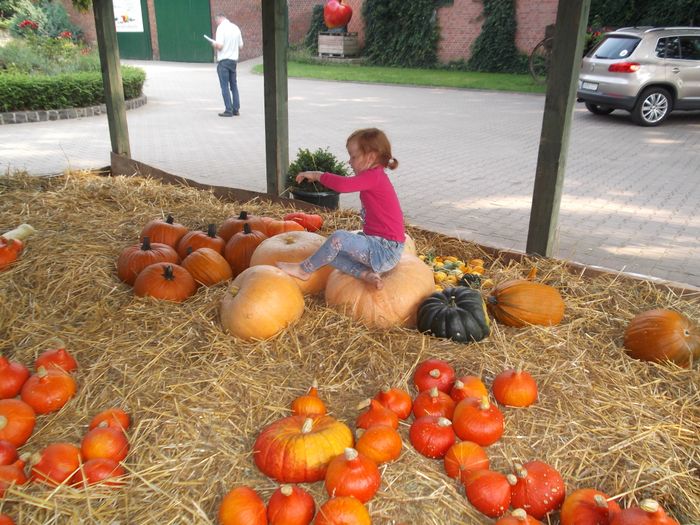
(314, 192)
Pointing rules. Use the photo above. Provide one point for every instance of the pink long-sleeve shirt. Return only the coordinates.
(383, 216)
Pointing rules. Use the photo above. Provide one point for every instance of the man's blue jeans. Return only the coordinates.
(226, 69)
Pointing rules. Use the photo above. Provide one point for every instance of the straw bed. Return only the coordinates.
(198, 398)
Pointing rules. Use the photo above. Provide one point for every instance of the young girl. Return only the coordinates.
(378, 247)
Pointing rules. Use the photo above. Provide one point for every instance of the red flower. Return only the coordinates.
(29, 24)
(65, 34)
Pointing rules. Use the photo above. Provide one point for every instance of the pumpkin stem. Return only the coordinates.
(170, 219)
(458, 385)
(286, 490)
(444, 422)
(485, 405)
(21, 233)
(512, 480)
(211, 230)
(168, 273)
(491, 299)
(3, 422)
(146, 244)
(307, 426)
(41, 372)
(386, 389)
(649, 505)
(314, 384)
(246, 228)
(520, 471)
(351, 454)
(189, 250)
(434, 394)
(434, 373)
(519, 514)
(364, 404)
(600, 501)
(243, 216)
(359, 432)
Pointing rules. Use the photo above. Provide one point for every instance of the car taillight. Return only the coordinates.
(624, 67)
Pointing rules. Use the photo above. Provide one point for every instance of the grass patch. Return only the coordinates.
(414, 77)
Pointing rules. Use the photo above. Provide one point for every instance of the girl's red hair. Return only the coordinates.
(373, 140)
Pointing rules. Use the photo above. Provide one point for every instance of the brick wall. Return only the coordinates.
(460, 23)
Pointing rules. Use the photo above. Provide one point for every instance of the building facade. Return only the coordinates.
(173, 28)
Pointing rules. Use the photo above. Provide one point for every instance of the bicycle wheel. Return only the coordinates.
(539, 61)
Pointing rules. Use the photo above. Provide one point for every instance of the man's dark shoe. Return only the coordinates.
(226, 114)
(236, 113)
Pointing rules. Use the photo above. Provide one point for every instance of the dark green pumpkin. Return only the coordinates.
(456, 313)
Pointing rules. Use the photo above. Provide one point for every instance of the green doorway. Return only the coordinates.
(136, 44)
(181, 24)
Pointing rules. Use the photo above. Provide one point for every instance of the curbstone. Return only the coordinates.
(18, 117)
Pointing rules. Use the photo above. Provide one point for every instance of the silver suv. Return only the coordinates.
(646, 71)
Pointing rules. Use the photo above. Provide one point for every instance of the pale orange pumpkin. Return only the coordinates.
(396, 400)
(261, 302)
(352, 474)
(521, 302)
(660, 335)
(297, 449)
(294, 246)
(207, 267)
(290, 505)
(396, 304)
(464, 457)
(275, 227)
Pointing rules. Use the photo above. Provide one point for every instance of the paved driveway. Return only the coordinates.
(467, 159)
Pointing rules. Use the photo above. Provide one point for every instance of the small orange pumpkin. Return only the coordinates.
(376, 414)
(464, 457)
(105, 471)
(488, 491)
(167, 281)
(8, 452)
(239, 248)
(12, 244)
(588, 507)
(113, 417)
(207, 267)
(310, 221)
(468, 386)
(290, 505)
(343, 510)
(309, 405)
(56, 356)
(519, 517)
(164, 231)
(432, 436)
(649, 512)
(242, 506)
(194, 240)
(233, 225)
(104, 442)
(12, 473)
(396, 400)
(48, 390)
(660, 335)
(274, 227)
(352, 474)
(433, 402)
(380, 443)
(521, 302)
(12, 376)
(478, 420)
(17, 420)
(137, 257)
(56, 463)
(515, 388)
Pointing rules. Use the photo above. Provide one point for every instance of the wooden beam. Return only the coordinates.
(111, 76)
(275, 34)
(572, 17)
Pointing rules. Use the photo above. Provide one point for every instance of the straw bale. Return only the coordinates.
(198, 398)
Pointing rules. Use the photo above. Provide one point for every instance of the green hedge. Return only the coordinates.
(494, 49)
(19, 92)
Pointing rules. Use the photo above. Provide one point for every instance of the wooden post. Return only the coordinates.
(275, 32)
(111, 76)
(572, 16)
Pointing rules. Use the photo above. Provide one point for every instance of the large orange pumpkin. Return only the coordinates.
(294, 247)
(170, 282)
(164, 231)
(521, 302)
(260, 303)
(396, 304)
(297, 449)
(195, 240)
(135, 258)
(660, 335)
(233, 225)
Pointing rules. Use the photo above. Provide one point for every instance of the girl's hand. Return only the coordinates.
(312, 176)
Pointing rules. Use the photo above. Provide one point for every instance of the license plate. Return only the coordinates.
(589, 86)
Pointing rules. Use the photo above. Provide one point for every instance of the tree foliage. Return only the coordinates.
(618, 13)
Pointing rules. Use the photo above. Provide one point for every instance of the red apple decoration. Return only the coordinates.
(336, 13)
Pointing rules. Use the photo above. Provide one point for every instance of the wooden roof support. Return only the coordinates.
(572, 16)
(275, 37)
(111, 76)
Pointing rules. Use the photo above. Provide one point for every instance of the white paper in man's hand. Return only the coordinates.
(210, 39)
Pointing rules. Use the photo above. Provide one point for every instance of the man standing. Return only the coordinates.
(227, 43)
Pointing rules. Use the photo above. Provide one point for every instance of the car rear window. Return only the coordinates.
(614, 46)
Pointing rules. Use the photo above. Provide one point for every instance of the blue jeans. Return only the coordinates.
(226, 69)
(355, 253)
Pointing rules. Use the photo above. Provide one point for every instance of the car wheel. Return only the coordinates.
(598, 110)
(653, 106)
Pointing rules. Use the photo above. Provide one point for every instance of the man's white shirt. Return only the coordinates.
(229, 36)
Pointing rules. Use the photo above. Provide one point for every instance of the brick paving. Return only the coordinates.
(467, 159)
